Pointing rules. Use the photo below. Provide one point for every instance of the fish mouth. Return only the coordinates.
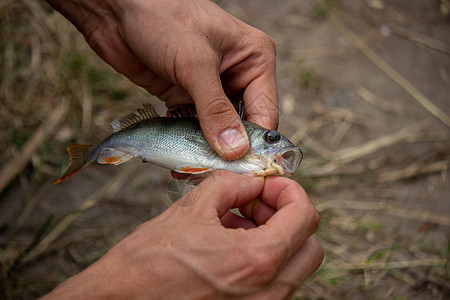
(289, 159)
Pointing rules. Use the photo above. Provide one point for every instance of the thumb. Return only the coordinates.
(219, 120)
(223, 190)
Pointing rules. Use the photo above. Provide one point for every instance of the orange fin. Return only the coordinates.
(113, 156)
(193, 170)
(78, 155)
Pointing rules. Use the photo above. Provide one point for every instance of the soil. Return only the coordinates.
(355, 78)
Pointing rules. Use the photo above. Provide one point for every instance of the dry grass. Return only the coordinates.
(376, 169)
(48, 81)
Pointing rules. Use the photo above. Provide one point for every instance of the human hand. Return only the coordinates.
(199, 249)
(183, 51)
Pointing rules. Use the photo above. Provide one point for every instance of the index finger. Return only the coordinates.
(295, 219)
(261, 100)
(223, 190)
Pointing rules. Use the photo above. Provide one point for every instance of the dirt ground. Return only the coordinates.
(364, 90)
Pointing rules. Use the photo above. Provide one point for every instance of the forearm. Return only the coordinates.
(81, 12)
(85, 285)
(108, 278)
(132, 270)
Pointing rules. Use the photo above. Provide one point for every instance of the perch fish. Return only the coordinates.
(178, 144)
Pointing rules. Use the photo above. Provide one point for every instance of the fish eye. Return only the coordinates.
(272, 136)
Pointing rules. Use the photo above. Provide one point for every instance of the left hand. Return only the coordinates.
(183, 51)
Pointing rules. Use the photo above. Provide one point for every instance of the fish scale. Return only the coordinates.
(179, 144)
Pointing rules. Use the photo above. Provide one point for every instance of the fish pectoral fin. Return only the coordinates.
(193, 170)
(113, 156)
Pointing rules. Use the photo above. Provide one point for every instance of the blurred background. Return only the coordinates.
(364, 90)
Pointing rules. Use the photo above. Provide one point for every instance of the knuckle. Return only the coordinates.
(319, 254)
(267, 43)
(315, 219)
(310, 212)
(262, 267)
(217, 106)
(270, 42)
(219, 110)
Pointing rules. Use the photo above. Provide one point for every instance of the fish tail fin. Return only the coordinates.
(78, 154)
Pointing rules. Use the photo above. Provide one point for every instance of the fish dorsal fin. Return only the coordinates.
(183, 111)
(148, 112)
(189, 111)
(238, 103)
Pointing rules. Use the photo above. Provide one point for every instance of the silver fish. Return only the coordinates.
(179, 144)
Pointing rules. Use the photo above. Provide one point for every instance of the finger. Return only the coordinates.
(252, 69)
(231, 220)
(260, 89)
(257, 211)
(174, 96)
(261, 101)
(218, 119)
(303, 263)
(295, 218)
(224, 190)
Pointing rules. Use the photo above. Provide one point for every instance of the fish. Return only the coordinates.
(177, 143)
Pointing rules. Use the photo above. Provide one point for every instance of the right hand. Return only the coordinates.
(199, 249)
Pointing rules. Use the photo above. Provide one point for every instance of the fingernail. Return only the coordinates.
(231, 139)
